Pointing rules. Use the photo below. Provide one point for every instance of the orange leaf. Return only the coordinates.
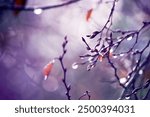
(19, 3)
(100, 58)
(110, 54)
(47, 69)
(89, 14)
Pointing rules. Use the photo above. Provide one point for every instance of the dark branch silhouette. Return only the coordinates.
(68, 87)
(107, 46)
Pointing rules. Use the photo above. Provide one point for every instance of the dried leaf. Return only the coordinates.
(47, 69)
(19, 3)
(89, 14)
(100, 58)
(110, 54)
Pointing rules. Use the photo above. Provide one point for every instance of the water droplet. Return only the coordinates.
(127, 98)
(38, 11)
(90, 66)
(82, 58)
(133, 68)
(75, 65)
(45, 77)
(115, 56)
(123, 80)
(111, 50)
(128, 76)
(52, 61)
(119, 40)
(141, 72)
(90, 59)
(129, 38)
(121, 54)
(116, 44)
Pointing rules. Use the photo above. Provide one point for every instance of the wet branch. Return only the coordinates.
(68, 87)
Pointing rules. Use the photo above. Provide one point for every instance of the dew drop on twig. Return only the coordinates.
(115, 56)
(129, 38)
(90, 59)
(121, 54)
(38, 11)
(75, 65)
(45, 77)
(123, 80)
(127, 98)
(141, 72)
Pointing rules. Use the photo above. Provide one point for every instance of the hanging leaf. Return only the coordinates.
(89, 14)
(47, 69)
(110, 52)
(19, 3)
(100, 58)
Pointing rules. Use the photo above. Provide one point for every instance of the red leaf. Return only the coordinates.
(89, 14)
(100, 58)
(110, 54)
(19, 3)
(47, 69)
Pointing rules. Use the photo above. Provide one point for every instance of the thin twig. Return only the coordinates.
(85, 94)
(68, 87)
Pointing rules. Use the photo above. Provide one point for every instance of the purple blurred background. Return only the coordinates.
(29, 41)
